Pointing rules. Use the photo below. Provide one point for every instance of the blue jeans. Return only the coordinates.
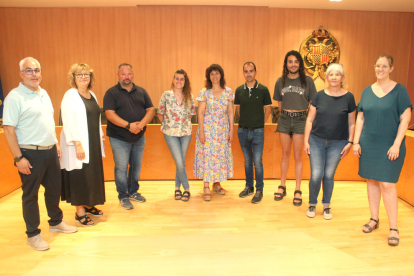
(127, 153)
(252, 142)
(324, 159)
(178, 147)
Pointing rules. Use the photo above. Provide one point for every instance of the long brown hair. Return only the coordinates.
(186, 88)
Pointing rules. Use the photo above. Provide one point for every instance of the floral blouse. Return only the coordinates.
(176, 120)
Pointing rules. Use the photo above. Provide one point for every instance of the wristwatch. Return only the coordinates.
(17, 159)
(127, 126)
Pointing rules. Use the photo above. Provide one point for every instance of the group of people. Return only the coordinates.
(322, 124)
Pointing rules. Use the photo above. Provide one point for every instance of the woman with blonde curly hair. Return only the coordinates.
(82, 146)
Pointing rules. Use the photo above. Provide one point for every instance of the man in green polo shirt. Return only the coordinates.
(250, 100)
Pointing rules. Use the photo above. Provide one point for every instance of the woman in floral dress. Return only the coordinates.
(213, 159)
(175, 111)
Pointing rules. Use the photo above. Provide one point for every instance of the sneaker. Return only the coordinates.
(38, 243)
(311, 212)
(257, 197)
(137, 197)
(63, 228)
(126, 204)
(246, 192)
(327, 213)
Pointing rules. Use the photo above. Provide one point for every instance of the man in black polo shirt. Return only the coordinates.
(128, 109)
(250, 99)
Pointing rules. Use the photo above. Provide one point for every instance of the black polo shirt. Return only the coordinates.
(130, 106)
(251, 104)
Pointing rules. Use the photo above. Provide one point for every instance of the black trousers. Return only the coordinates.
(46, 172)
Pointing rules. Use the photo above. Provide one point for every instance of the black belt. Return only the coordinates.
(294, 114)
(250, 128)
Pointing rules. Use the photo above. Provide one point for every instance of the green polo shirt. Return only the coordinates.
(251, 104)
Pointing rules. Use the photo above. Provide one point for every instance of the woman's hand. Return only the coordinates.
(357, 150)
(346, 150)
(201, 137)
(231, 135)
(306, 148)
(393, 153)
(80, 153)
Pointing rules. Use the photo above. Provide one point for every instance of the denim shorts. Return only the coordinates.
(291, 125)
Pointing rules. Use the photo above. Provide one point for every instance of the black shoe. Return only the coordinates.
(246, 192)
(257, 197)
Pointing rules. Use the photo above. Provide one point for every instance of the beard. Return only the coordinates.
(293, 72)
(126, 82)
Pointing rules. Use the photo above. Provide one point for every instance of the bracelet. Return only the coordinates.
(350, 142)
(355, 144)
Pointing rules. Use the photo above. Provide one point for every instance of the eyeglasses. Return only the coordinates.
(83, 75)
(31, 71)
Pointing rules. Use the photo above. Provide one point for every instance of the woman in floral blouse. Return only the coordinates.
(213, 159)
(175, 111)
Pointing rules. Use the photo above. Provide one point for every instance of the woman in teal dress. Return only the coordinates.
(379, 143)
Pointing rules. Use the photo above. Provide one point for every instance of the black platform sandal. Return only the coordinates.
(85, 219)
(279, 196)
(370, 229)
(394, 238)
(177, 194)
(297, 201)
(93, 211)
(186, 196)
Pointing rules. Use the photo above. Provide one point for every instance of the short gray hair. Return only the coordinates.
(21, 63)
(124, 64)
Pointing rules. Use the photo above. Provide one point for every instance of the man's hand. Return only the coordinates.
(134, 128)
(24, 166)
(59, 151)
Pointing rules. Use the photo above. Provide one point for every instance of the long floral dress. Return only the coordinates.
(213, 160)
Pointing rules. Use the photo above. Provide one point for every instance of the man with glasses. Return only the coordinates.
(250, 100)
(128, 109)
(29, 128)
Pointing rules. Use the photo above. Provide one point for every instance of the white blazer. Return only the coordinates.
(75, 128)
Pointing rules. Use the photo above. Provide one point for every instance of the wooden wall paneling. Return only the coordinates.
(401, 46)
(152, 19)
(291, 39)
(361, 48)
(168, 42)
(97, 56)
(348, 58)
(246, 37)
(229, 47)
(107, 35)
(55, 52)
(260, 42)
(183, 38)
(276, 50)
(11, 50)
(200, 47)
(214, 36)
(138, 58)
(407, 177)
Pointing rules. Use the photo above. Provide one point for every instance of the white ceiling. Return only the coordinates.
(363, 5)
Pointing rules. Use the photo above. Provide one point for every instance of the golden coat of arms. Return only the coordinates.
(318, 50)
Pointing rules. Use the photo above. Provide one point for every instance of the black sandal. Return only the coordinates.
(297, 201)
(186, 196)
(279, 196)
(177, 194)
(93, 211)
(394, 238)
(85, 219)
(370, 229)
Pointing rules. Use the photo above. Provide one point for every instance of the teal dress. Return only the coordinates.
(381, 121)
